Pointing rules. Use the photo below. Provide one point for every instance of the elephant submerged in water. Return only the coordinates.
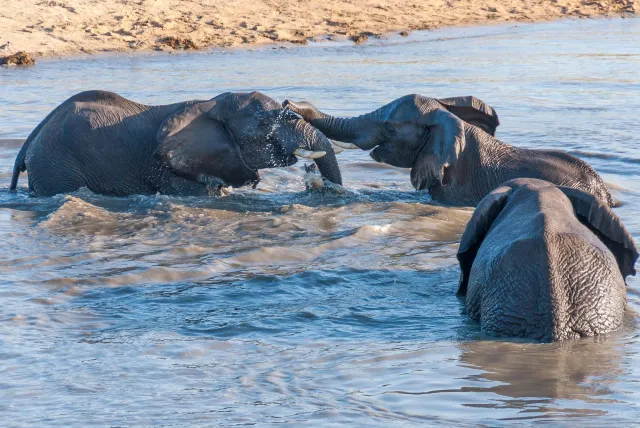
(115, 146)
(449, 145)
(545, 262)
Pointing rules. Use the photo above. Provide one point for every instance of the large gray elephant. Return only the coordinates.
(450, 147)
(115, 146)
(545, 262)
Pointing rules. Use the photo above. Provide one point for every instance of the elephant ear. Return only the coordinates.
(444, 143)
(483, 217)
(473, 111)
(605, 224)
(198, 147)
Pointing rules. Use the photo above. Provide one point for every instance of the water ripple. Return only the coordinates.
(280, 306)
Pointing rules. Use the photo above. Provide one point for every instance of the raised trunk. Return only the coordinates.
(339, 128)
(361, 130)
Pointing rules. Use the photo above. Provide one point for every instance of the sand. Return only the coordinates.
(50, 28)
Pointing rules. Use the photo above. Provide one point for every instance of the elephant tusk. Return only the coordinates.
(347, 146)
(337, 149)
(308, 154)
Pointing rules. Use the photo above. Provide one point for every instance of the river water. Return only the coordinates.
(278, 306)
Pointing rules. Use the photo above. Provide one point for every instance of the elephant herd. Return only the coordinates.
(543, 255)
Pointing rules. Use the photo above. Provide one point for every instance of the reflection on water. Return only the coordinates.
(276, 305)
(536, 377)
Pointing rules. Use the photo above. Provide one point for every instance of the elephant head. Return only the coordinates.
(424, 134)
(546, 262)
(226, 140)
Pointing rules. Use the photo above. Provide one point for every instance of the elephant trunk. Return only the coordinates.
(301, 135)
(327, 164)
(350, 130)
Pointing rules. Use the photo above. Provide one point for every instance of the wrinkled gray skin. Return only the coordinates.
(114, 146)
(450, 147)
(545, 262)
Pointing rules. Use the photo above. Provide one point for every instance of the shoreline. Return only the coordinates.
(390, 38)
(75, 28)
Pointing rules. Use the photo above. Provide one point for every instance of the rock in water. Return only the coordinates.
(19, 58)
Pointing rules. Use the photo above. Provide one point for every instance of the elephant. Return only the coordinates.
(545, 262)
(118, 147)
(451, 148)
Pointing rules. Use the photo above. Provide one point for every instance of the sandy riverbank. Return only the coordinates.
(49, 28)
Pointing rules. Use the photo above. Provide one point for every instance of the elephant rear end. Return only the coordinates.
(36, 157)
(80, 145)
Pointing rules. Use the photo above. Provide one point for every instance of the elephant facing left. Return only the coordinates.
(115, 146)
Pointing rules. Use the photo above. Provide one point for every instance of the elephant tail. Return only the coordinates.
(20, 165)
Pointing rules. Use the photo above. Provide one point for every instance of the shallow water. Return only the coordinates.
(278, 306)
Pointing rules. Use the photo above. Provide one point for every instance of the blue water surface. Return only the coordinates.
(279, 306)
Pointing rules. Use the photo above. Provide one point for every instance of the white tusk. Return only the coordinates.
(337, 149)
(308, 154)
(347, 146)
